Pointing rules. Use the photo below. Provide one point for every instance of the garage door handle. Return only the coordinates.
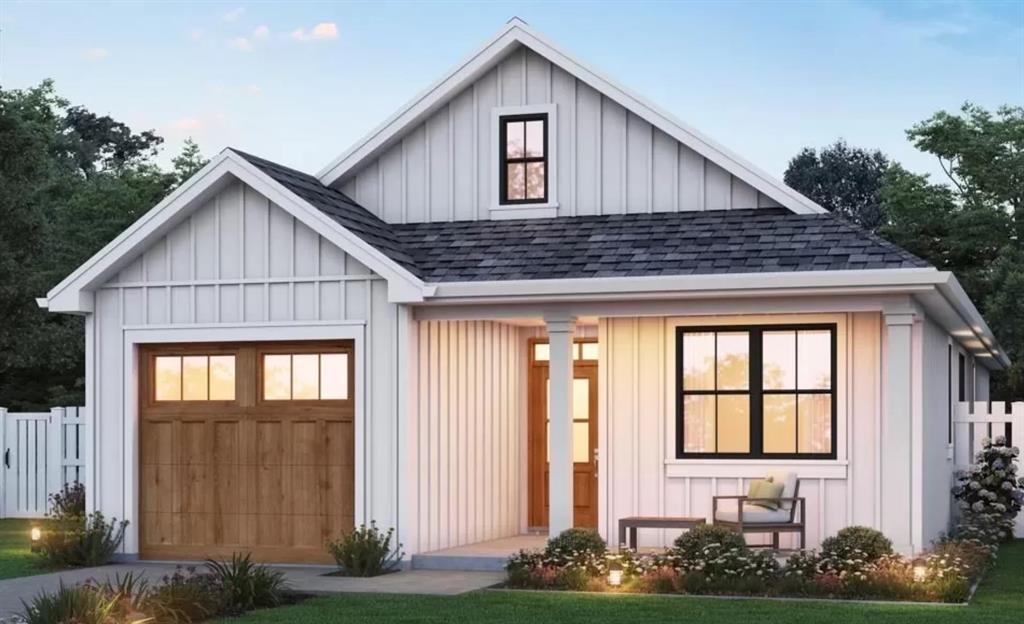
(7, 458)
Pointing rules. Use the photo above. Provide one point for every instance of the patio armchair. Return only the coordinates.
(748, 517)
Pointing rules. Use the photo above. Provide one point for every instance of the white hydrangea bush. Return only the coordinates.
(990, 494)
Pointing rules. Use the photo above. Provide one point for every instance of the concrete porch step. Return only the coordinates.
(465, 563)
(486, 556)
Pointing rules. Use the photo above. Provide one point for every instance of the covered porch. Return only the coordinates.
(475, 490)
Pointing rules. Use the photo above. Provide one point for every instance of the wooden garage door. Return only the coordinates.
(246, 448)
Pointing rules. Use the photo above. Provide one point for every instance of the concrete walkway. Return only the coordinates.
(303, 579)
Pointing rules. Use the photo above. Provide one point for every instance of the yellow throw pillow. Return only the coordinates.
(755, 487)
(768, 490)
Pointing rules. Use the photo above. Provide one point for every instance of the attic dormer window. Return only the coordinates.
(523, 145)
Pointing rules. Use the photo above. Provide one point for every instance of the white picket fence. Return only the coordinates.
(974, 422)
(42, 451)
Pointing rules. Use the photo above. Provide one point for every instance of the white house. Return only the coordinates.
(530, 299)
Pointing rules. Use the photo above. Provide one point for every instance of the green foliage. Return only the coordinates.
(982, 153)
(366, 551)
(693, 544)
(70, 181)
(82, 541)
(844, 180)
(78, 605)
(870, 543)
(189, 161)
(576, 540)
(245, 585)
(68, 503)
(183, 597)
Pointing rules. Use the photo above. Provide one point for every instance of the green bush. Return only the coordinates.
(69, 503)
(245, 585)
(691, 546)
(79, 542)
(77, 605)
(185, 597)
(869, 543)
(366, 551)
(576, 541)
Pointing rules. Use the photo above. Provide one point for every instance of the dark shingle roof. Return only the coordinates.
(683, 243)
(337, 206)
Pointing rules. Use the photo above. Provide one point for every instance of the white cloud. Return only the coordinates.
(252, 90)
(322, 31)
(95, 54)
(261, 32)
(233, 14)
(195, 34)
(240, 43)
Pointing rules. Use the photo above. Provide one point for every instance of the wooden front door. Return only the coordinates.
(245, 448)
(584, 428)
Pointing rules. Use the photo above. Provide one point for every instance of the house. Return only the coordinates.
(529, 300)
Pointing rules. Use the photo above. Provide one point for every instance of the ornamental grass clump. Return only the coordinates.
(76, 541)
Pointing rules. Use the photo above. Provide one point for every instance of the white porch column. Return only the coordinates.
(900, 463)
(560, 336)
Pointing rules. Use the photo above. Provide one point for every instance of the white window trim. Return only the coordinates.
(525, 211)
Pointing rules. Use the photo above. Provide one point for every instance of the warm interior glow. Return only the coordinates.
(194, 378)
(305, 376)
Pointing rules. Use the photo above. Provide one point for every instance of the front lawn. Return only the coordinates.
(1000, 599)
(16, 558)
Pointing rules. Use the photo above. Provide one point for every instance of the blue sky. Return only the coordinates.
(298, 82)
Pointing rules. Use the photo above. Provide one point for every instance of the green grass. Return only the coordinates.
(16, 557)
(1000, 599)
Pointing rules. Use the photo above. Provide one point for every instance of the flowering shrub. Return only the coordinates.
(869, 543)
(712, 562)
(990, 494)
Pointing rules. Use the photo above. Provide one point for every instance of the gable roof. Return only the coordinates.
(325, 211)
(672, 243)
(515, 33)
(338, 207)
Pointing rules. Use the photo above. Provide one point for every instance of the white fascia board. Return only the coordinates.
(403, 286)
(72, 294)
(421, 106)
(991, 354)
(518, 32)
(709, 285)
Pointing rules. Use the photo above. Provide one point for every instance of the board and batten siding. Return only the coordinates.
(238, 260)
(640, 475)
(469, 433)
(608, 160)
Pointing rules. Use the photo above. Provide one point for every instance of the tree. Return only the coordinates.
(845, 180)
(975, 227)
(70, 181)
(188, 162)
(929, 220)
(982, 154)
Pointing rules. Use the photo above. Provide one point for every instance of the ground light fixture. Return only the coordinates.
(920, 570)
(36, 535)
(615, 574)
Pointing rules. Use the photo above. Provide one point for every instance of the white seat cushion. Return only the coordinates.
(788, 479)
(752, 514)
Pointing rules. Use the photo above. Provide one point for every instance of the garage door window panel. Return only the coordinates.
(317, 377)
(193, 378)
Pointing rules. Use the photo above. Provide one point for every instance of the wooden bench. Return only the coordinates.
(633, 523)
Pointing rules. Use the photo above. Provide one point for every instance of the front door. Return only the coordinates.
(584, 434)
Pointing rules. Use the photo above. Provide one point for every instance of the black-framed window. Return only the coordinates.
(766, 391)
(523, 151)
(962, 382)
